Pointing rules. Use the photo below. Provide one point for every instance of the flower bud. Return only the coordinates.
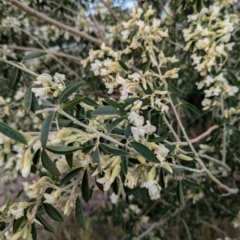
(26, 163)
(185, 157)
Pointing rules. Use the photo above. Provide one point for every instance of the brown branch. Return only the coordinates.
(59, 54)
(111, 11)
(55, 23)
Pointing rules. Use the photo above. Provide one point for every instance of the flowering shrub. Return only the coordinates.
(147, 113)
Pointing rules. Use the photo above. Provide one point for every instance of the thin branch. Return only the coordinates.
(31, 49)
(157, 224)
(55, 23)
(213, 227)
(19, 67)
(187, 228)
(216, 161)
(111, 11)
(203, 135)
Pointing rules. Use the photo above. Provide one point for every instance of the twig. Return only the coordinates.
(203, 135)
(216, 161)
(31, 49)
(213, 227)
(55, 23)
(19, 67)
(157, 224)
(111, 11)
(187, 229)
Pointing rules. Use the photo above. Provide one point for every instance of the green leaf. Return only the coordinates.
(192, 184)
(159, 139)
(171, 148)
(105, 110)
(177, 169)
(34, 232)
(162, 178)
(46, 103)
(69, 176)
(35, 106)
(145, 152)
(36, 156)
(88, 149)
(71, 104)
(26, 79)
(199, 5)
(46, 226)
(79, 214)
(11, 133)
(28, 99)
(123, 65)
(96, 159)
(127, 132)
(34, 55)
(70, 89)
(49, 165)
(116, 185)
(89, 102)
(85, 187)
(233, 79)
(17, 223)
(16, 78)
(190, 107)
(115, 123)
(69, 159)
(124, 164)
(116, 105)
(175, 90)
(180, 193)
(62, 149)
(47, 123)
(113, 150)
(52, 212)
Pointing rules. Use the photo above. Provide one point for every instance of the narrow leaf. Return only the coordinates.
(105, 110)
(113, 150)
(180, 193)
(69, 159)
(162, 178)
(69, 176)
(34, 55)
(46, 226)
(79, 214)
(11, 133)
(62, 149)
(116, 185)
(16, 78)
(36, 156)
(85, 187)
(46, 128)
(192, 184)
(116, 105)
(70, 89)
(145, 152)
(52, 212)
(177, 169)
(123, 65)
(71, 104)
(49, 165)
(88, 149)
(28, 99)
(124, 164)
(34, 232)
(115, 123)
(35, 106)
(17, 223)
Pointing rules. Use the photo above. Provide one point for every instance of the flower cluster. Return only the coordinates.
(50, 85)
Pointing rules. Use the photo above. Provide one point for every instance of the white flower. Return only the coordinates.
(153, 189)
(137, 132)
(96, 66)
(149, 128)
(114, 198)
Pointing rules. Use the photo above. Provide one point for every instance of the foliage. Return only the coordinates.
(146, 112)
